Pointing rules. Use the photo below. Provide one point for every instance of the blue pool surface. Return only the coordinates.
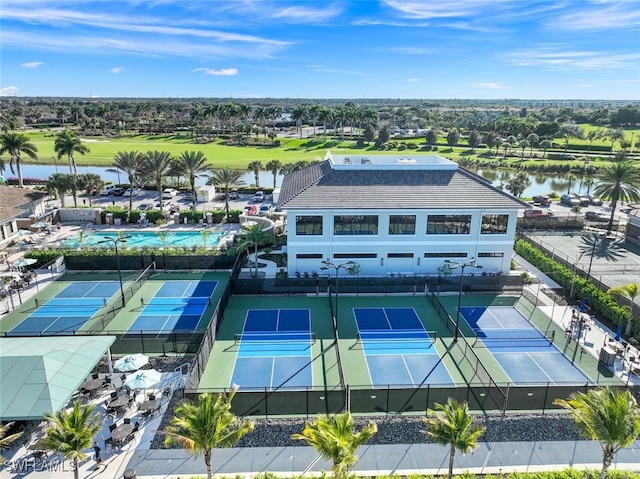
(149, 239)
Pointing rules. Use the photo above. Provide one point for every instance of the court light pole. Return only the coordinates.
(462, 266)
(329, 265)
(115, 241)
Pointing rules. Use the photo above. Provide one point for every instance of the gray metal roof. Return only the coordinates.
(321, 187)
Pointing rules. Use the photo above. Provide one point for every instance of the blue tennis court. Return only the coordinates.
(68, 310)
(525, 353)
(178, 306)
(398, 350)
(274, 350)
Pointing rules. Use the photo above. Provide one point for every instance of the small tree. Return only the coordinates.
(71, 432)
(254, 236)
(206, 425)
(630, 291)
(451, 425)
(7, 440)
(335, 439)
(609, 416)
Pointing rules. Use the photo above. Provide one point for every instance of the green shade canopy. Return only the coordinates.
(39, 375)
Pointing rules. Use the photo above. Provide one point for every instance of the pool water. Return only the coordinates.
(149, 239)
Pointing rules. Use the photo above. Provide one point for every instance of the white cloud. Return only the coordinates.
(117, 70)
(223, 72)
(307, 14)
(553, 57)
(31, 64)
(603, 16)
(9, 91)
(414, 80)
(490, 85)
(327, 69)
(444, 8)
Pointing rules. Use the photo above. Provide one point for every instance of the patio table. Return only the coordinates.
(92, 385)
(120, 433)
(119, 402)
(149, 405)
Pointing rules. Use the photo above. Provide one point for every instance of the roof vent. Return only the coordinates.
(347, 161)
(406, 161)
(365, 161)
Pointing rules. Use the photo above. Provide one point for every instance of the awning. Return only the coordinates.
(39, 375)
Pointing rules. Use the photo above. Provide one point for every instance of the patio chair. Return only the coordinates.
(127, 420)
(109, 444)
(136, 429)
(113, 395)
(94, 376)
(152, 397)
(112, 427)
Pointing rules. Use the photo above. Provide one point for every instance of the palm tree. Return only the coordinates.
(67, 143)
(451, 425)
(255, 167)
(90, 182)
(620, 181)
(158, 165)
(254, 236)
(206, 425)
(298, 114)
(226, 179)
(334, 439)
(60, 183)
(7, 440)
(609, 416)
(545, 145)
(16, 144)
(72, 431)
(630, 291)
(274, 166)
(131, 163)
(192, 164)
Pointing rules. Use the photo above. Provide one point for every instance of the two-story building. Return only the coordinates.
(396, 214)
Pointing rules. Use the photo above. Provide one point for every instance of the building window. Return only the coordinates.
(490, 255)
(399, 255)
(308, 225)
(494, 224)
(402, 224)
(309, 256)
(355, 256)
(448, 224)
(355, 225)
(445, 255)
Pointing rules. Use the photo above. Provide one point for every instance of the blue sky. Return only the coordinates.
(430, 49)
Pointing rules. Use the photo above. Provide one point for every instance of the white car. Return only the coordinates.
(131, 192)
(169, 193)
(167, 207)
(265, 209)
(108, 190)
(258, 197)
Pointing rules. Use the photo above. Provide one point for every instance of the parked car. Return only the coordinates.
(145, 206)
(595, 201)
(233, 194)
(169, 193)
(533, 213)
(265, 209)
(118, 192)
(167, 207)
(596, 216)
(584, 200)
(569, 200)
(108, 190)
(258, 197)
(131, 192)
(543, 200)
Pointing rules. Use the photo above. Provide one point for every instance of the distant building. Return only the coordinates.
(396, 214)
(18, 204)
(633, 226)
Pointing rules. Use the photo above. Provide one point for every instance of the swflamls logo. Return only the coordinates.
(30, 465)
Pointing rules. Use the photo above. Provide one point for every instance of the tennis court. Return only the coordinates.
(177, 306)
(398, 349)
(68, 310)
(274, 350)
(525, 353)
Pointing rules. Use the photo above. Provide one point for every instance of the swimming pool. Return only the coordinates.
(148, 239)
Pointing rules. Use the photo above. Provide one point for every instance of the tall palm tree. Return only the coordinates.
(129, 162)
(620, 181)
(60, 183)
(451, 425)
(193, 164)
(158, 165)
(206, 425)
(255, 167)
(7, 440)
(71, 432)
(298, 114)
(90, 182)
(254, 236)
(226, 179)
(67, 143)
(334, 439)
(631, 291)
(16, 144)
(274, 167)
(609, 416)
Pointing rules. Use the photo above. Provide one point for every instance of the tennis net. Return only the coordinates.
(137, 283)
(515, 337)
(399, 335)
(79, 303)
(276, 337)
(173, 301)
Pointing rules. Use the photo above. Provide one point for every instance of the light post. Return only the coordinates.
(115, 241)
(329, 265)
(462, 266)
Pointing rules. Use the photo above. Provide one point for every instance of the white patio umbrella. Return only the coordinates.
(24, 262)
(143, 379)
(132, 362)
